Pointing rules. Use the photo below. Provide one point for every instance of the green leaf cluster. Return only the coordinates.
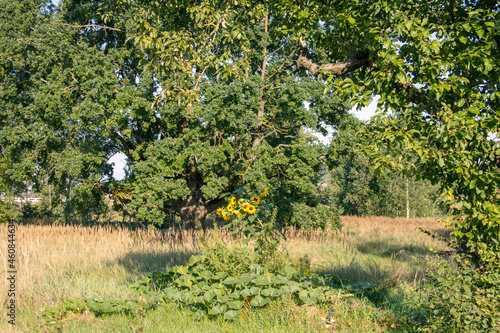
(466, 300)
(216, 293)
(360, 187)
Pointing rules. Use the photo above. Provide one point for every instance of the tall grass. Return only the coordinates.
(56, 263)
(369, 249)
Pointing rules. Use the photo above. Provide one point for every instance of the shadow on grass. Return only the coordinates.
(391, 248)
(358, 274)
(387, 249)
(400, 311)
(444, 234)
(145, 262)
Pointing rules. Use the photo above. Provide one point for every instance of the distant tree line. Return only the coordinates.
(360, 189)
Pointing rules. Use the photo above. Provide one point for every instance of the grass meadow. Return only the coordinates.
(56, 263)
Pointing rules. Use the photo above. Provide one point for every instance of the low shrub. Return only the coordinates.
(462, 298)
(320, 216)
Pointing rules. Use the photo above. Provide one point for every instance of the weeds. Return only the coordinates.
(57, 263)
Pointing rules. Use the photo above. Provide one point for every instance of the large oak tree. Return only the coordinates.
(213, 110)
(435, 65)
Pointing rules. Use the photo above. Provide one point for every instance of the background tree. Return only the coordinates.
(360, 190)
(57, 82)
(192, 127)
(230, 110)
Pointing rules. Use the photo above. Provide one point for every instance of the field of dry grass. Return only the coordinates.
(371, 249)
(56, 263)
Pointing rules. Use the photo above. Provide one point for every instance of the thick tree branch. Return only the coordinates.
(353, 62)
(360, 59)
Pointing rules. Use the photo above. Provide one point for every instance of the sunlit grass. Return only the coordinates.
(56, 263)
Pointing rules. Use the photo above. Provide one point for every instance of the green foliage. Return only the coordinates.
(435, 66)
(198, 113)
(230, 112)
(8, 210)
(321, 216)
(463, 300)
(52, 316)
(86, 204)
(234, 262)
(254, 219)
(360, 189)
(54, 86)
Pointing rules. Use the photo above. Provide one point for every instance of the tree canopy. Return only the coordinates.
(434, 64)
(192, 129)
(205, 96)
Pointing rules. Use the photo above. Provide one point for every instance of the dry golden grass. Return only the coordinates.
(55, 263)
(369, 249)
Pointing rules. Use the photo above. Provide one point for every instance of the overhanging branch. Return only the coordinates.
(410, 93)
(353, 62)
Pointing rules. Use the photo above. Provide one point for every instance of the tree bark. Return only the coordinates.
(353, 62)
(193, 210)
(68, 193)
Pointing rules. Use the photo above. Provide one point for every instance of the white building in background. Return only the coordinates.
(27, 196)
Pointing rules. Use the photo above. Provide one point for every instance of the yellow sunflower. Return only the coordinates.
(220, 212)
(251, 209)
(233, 201)
(255, 200)
(245, 206)
(230, 208)
(265, 192)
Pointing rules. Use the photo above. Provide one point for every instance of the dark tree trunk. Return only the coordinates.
(68, 194)
(192, 209)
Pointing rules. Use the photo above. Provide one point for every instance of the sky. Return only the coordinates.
(364, 114)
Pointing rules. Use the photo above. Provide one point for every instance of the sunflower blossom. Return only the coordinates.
(220, 212)
(251, 209)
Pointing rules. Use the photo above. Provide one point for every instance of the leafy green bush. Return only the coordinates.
(234, 262)
(8, 211)
(38, 213)
(210, 293)
(463, 299)
(321, 216)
